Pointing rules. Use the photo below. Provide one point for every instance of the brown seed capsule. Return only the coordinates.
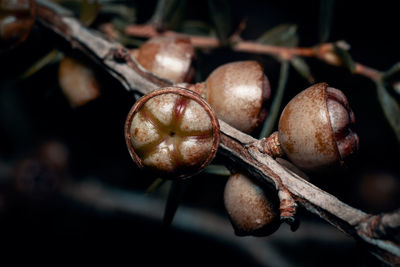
(251, 209)
(167, 57)
(77, 82)
(238, 92)
(172, 131)
(315, 128)
(16, 21)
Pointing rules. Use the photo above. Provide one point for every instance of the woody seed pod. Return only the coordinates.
(251, 210)
(16, 21)
(315, 128)
(167, 57)
(77, 82)
(238, 92)
(173, 132)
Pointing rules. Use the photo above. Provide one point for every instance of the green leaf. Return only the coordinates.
(394, 70)
(345, 57)
(12, 110)
(174, 198)
(155, 185)
(301, 66)
(130, 41)
(221, 15)
(269, 124)
(168, 13)
(217, 170)
(325, 19)
(396, 87)
(196, 27)
(281, 35)
(89, 11)
(127, 13)
(51, 57)
(390, 108)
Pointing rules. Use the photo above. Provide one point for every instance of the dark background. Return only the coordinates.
(43, 223)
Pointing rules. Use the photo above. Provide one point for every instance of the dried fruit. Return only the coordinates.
(168, 57)
(315, 129)
(16, 21)
(78, 82)
(172, 131)
(251, 209)
(238, 92)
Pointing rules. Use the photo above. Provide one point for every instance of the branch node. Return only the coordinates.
(382, 226)
(288, 208)
(270, 146)
(120, 55)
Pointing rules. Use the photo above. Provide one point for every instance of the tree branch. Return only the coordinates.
(238, 147)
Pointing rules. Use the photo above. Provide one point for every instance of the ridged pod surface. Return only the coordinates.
(250, 209)
(315, 128)
(173, 132)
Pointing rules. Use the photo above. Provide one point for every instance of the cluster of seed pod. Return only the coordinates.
(175, 132)
(237, 92)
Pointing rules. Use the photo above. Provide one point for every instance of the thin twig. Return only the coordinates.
(239, 148)
(368, 72)
(148, 31)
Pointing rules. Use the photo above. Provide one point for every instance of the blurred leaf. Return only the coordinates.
(393, 71)
(345, 57)
(390, 108)
(127, 13)
(51, 57)
(155, 185)
(130, 41)
(89, 11)
(119, 24)
(217, 170)
(15, 120)
(302, 68)
(174, 198)
(396, 87)
(269, 124)
(195, 27)
(71, 5)
(168, 13)
(221, 14)
(325, 19)
(281, 35)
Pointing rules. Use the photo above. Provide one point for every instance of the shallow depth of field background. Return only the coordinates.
(34, 112)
